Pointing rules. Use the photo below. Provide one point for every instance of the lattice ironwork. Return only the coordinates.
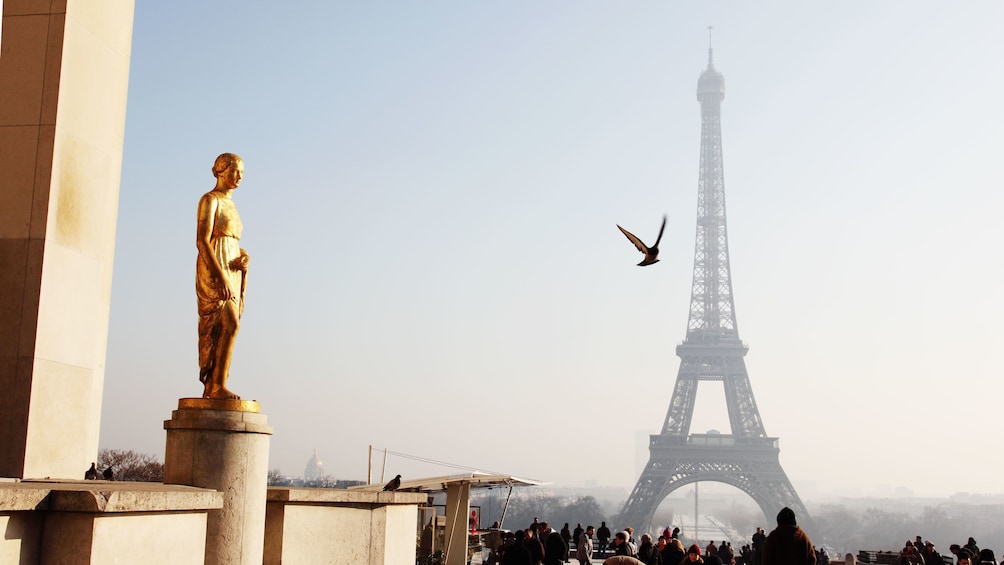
(712, 351)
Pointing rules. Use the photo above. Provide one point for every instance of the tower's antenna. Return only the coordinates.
(709, 45)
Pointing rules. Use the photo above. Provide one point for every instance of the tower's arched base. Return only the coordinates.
(751, 465)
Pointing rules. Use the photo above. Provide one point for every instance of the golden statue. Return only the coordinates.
(221, 274)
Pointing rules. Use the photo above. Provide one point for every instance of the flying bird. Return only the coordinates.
(108, 474)
(651, 253)
(91, 474)
(394, 484)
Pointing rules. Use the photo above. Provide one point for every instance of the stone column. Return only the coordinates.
(223, 445)
(64, 72)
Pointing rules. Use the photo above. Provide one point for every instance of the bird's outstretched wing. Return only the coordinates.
(634, 239)
(661, 229)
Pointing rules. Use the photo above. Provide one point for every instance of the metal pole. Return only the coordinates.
(505, 508)
(696, 515)
(384, 466)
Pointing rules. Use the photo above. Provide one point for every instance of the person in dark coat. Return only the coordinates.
(566, 536)
(622, 547)
(788, 544)
(647, 553)
(603, 536)
(931, 554)
(972, 547)
(534, 546)
(909, 555)
(759, 538)
(554, 546)
(517, 553)
(673, 553)
(725, 553)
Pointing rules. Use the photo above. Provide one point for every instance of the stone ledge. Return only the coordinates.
(105, 496)
(18, 496)
(342, 496)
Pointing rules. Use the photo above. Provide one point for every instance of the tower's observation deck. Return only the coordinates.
(711, 85)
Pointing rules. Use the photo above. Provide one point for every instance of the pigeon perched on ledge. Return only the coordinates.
(108, 474)
(394, 484)
(91, 474)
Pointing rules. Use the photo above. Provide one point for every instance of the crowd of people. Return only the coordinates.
(920, 552)
(787, 544)
(540, 544)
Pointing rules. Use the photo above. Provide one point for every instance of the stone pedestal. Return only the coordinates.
(223, 445)
(309, 526)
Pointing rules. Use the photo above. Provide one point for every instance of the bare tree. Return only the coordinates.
(128, 465)
(275, 479)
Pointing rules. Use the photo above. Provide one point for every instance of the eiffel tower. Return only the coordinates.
(747, 459)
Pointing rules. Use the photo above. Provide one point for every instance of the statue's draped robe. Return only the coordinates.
(225, 243)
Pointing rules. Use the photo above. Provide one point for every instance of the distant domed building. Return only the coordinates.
(314, 469)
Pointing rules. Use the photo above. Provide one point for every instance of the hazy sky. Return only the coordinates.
(430, 202)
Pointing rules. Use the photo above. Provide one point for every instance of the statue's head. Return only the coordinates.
(224, 162)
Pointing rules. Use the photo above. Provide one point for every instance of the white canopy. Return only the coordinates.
(476, 479)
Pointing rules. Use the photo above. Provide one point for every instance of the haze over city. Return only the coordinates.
(430, 202)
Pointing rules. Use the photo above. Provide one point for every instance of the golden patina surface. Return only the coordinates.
(220, 276)
(231, 404)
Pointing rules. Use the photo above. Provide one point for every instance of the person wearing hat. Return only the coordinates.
(974, 550)
(910, 555)
(694, 554)
(788, 544)
(931, 554)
